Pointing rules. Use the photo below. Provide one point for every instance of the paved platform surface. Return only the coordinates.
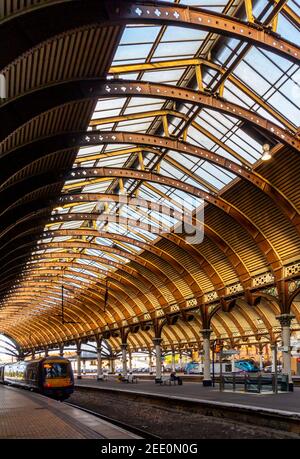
(284, 402)
(32, 416)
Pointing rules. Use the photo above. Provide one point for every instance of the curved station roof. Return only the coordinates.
(135, 196)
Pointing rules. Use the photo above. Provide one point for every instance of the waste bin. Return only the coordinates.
(283, 383)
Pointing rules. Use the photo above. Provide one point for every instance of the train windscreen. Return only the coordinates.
(56, 370)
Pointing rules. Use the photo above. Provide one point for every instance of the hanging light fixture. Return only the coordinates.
(266, 152)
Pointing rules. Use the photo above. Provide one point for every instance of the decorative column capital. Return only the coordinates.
(124, 346)
(157, 341)
(285, 319)
(78, 352)
(206, 333)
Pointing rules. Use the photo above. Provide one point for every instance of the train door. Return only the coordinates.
(32, 379)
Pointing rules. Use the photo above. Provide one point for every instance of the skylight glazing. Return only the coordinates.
(169, 55)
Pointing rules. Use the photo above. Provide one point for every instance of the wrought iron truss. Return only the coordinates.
(163, 126)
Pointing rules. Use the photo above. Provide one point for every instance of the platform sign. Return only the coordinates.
(230, 352)
(283, 348)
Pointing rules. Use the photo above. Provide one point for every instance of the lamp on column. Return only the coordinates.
(62, 315)
(266, 152)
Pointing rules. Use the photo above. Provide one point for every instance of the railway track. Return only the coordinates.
(136, 430)
(247, 421)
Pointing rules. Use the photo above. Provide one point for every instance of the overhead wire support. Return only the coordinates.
(106, 295)
(62, 315)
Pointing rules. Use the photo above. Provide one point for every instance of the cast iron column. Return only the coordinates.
(200, 361)
(232, 363)
(206, 350)
(261, 365)
(78, 352)
(180, 361)
(99, 362)
(285, 322)
(124, 358)
(157, 344)
(173, 361)
(130, 360)
(150, 360)
(274, 363)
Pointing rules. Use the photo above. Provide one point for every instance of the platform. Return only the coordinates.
(285, 403)
(26, 415)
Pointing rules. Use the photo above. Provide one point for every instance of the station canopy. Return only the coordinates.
(136, 189)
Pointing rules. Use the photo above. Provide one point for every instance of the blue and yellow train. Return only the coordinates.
(51, 376)
(242, 365)
(246, 365)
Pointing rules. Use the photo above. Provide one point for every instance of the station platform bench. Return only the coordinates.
(103, 377)
(166, 380)
(254, 383)
(129, 379)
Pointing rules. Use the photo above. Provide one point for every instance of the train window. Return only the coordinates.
(55, 370)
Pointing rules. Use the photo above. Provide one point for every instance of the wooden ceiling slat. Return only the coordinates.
(57, 59)
(237, 238)
(33, 71)
(88, 38)
(283, 235)
(74, 55)
(101, 50)
(40, 66)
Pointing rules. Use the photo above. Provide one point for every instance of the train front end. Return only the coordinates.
(57, 378)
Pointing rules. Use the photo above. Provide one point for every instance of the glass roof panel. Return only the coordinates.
(259, 80)
(294, 6)
(139, 34)
(128, 54)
